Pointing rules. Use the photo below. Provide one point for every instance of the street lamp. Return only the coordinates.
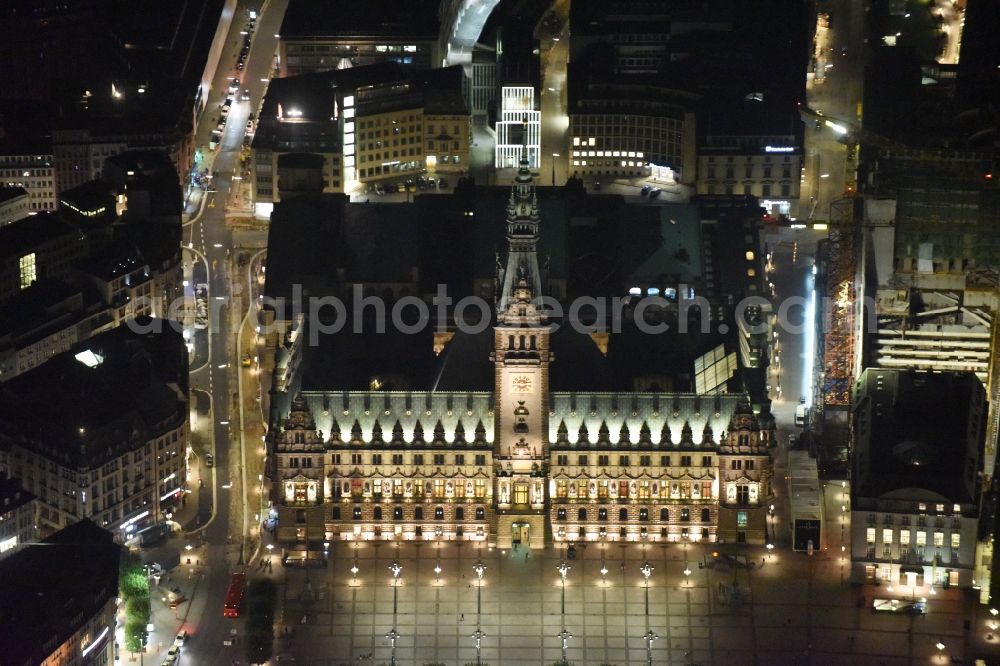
(395, 568)
(480, 569)
(770, 550)
(646, 570)
(563, 569)
(565, 636)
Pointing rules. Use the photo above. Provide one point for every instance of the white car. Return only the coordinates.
(180, 638)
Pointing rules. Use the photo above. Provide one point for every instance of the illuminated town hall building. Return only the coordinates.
(523, 463)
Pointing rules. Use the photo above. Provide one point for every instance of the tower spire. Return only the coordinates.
(522, 282)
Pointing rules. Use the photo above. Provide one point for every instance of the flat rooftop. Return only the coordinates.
(345, 18)
(51, 589)
(920, 425)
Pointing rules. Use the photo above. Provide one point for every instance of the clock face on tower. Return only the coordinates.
(521, 384)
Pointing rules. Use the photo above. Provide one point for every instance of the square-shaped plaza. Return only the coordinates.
(742, 606)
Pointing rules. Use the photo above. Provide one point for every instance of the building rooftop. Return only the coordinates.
(68, 50)
(53, 588)
(342, 18)
(640, 16)
(24, 235)
(12, 495)
(920, 429)
(63, 409)
(25, 127)
(41, 308)
(8, 192)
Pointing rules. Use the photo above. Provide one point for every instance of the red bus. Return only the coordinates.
(234, 597)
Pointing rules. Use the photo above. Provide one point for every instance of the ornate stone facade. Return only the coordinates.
(522, 464)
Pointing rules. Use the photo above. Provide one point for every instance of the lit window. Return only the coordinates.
(956, 541)
(749, 255)
(870, 535)
(921, 538)
(592, 141)
(957, 508)
(751, 272)
(887, 535)
(27, 270)
(576, 141)
(938, 539)
(348, 100)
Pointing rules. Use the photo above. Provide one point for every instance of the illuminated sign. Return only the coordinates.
(133, 519)
(779, 149)
(88, 647)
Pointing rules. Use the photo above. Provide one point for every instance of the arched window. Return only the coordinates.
(397, 513)
(439, 513)
(481, 513)
(623, 514)
(378, 513)
(581, 514)
(418, 513)
(706, 515)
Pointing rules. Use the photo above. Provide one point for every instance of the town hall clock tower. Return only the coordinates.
(521, 356)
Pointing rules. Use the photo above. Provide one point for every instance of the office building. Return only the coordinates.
(316, 37)
(18, 517)
(915, 480)
(14, 204)
(37, 248)
(389, 121)
(60, 599)
(118, 457)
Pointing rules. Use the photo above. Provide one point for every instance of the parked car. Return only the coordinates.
(442, 184)
(181, 637)
(246, 95)
(645, 190)
(391, 188)
(655, 192)
(431, 183)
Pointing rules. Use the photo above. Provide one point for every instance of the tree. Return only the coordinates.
(133, 588)
(135, 636)
(137, 609)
